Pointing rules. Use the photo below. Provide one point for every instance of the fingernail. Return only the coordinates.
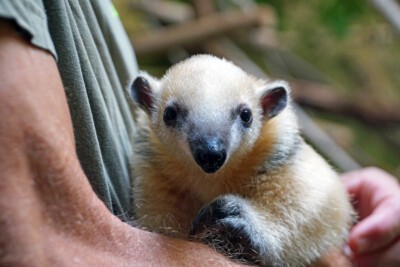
(363, 245)
(347, 251)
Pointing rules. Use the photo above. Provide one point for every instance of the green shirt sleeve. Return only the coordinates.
(30, 16)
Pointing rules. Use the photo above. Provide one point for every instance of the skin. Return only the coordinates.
(375, 239)
(49, 215)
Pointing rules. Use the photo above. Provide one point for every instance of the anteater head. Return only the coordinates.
(207, 110)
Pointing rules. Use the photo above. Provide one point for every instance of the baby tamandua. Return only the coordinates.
(218, 156)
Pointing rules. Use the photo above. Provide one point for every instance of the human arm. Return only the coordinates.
(375, 239)
(49, 214)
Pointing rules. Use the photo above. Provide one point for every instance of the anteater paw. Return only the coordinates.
(227, 225)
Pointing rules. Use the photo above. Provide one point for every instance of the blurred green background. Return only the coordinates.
(347, 45)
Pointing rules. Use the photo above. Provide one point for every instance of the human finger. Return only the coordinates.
(387, 257)
(377, 230)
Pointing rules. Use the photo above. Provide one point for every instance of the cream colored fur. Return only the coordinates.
(295, 200)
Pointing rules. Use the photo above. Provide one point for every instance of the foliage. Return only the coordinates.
(335, 15)
(338, 16)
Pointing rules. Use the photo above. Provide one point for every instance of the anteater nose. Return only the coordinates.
(210, 159)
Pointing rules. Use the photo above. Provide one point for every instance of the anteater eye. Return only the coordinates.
(170, 115)
(246, 117)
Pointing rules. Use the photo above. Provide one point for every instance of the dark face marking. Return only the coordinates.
(174, 115)
(244, 113)
(209, 151)
(170, 115)
(246, 116)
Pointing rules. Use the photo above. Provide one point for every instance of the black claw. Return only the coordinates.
(210, 214)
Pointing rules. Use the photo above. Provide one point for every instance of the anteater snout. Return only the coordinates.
(210, 154)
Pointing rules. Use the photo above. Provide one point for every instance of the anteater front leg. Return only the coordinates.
(233, 227)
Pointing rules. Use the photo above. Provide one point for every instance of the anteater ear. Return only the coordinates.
(143, 90)
(274, 98)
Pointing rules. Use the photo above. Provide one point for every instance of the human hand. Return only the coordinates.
(375, 239)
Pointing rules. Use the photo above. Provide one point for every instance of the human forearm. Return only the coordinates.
(43, 191)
